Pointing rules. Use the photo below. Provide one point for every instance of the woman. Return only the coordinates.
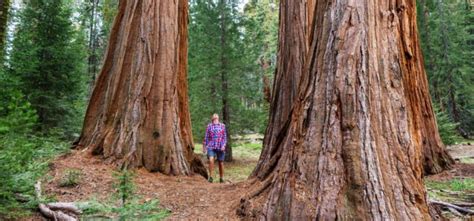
(214, 144)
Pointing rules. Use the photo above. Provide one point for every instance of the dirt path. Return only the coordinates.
(186, 197)
(461, 151)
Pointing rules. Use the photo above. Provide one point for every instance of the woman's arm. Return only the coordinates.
(206, 140)
(224, 143)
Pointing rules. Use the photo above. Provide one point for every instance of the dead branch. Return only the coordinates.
(464, 204)
(449, 205)
(64, 206)
(53, 210)
(455, 212)
(55, 215)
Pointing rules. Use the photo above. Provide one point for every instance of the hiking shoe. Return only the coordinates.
(221, 180)
(210, 179)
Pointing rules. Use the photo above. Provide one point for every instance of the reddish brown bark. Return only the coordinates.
(435, 156)
(293, 44)
(138, 113)
(352, 145)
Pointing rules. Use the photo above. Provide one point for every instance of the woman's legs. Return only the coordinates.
(211, 168)
(219, 156)
(221, 170)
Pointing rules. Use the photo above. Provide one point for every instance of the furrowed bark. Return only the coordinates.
(435, 156)
(293, 44)
(353, 144)
(138, 113)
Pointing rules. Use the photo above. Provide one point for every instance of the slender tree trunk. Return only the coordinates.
(4, 8)
(351, 148)
(92, 47)
(266, 89)
(138, 113)
(225, 83)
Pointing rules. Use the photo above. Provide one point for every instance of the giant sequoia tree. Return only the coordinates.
(138, 113)
(293, 43)
(360, 126)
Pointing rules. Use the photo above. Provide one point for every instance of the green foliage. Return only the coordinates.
(47, 59)
(447, 129)
(261, 33)
(466, 184)
(125, 186)
(223, 40)
(457, 184)
(130, 206)
(23, 160)
(96, 18)
(70, 178)
(134, 210)
(446, 31)
(16, 114)
(443, 189)
(24, 155)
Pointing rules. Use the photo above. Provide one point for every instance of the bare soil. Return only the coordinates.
(186, 197)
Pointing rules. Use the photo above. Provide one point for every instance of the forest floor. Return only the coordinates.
(194, 198)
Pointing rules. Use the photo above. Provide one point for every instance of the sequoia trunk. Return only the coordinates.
(138, 113)
(292, 47)
(351, 146)
(435, 155)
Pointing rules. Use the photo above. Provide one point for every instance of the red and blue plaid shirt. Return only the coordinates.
(216, 136)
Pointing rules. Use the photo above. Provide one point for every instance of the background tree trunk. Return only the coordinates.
(353, 146)
(4, 8)
(138, 113)
(224, 81)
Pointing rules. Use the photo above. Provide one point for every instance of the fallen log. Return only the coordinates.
(64, 206)
(55, 215)
(449, 205)
(464, 204)
(455, 212)
(56, 211)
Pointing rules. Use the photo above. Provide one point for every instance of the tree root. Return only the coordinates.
(246, 209)
(453, 207)
(55, 215)
(59, 211)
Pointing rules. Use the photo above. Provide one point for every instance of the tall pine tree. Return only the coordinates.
(225, 76)
(48, 59)
(444, 31)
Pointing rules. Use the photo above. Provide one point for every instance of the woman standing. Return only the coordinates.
(214, 144)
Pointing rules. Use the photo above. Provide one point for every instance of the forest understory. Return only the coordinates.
(194, 198)
(104, 104)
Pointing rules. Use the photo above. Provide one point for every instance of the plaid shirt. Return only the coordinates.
(216, 136)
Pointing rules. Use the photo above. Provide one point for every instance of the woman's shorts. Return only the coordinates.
(218, 154)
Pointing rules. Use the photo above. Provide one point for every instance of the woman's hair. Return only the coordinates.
(214, 116)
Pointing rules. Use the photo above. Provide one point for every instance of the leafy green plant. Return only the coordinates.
(23, 160)
(134, 210)
(71, 178)
(466, 184)
(447, 129)
(149, 210)
(124, 186)
(130, 206)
